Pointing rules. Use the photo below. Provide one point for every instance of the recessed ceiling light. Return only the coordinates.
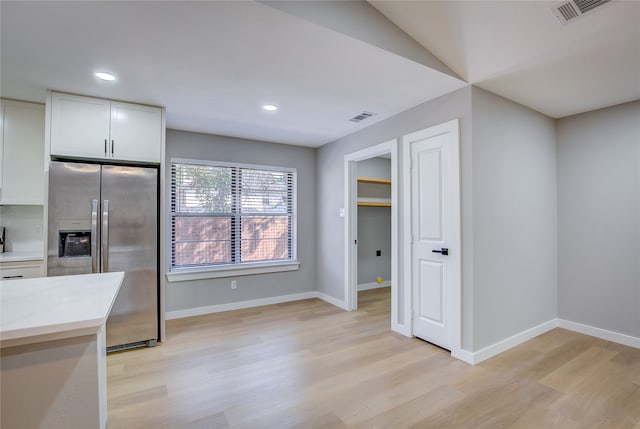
(105, 76)
(270, 107)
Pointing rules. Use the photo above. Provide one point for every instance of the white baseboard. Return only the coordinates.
(199, 311)
(209, 309)
(464, 356)
(504, 345)
(403, 329)
(603, 334)
(331, 300)
(373, 285)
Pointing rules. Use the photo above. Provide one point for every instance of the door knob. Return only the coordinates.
(442, 250)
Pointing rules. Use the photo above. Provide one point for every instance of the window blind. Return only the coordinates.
(226, 214)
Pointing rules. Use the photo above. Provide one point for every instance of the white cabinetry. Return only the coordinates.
(85, 127)
(21, 270)
(22, 152)
(80, 126)
(136, 131)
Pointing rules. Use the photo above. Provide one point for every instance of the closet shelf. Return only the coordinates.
(374, 191)
(368, 202)
(378, 180)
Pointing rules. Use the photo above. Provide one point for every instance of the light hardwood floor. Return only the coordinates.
(308, 364)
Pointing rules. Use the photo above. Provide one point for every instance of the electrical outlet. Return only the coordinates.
(378, 252)
(234, 284)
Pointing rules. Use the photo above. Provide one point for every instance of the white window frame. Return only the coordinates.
(246, 268)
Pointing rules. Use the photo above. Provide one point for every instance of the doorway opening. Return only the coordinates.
(377, 192)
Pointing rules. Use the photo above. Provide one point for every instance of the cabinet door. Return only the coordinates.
(22, 153)
(21, 270)
(79, 126)
(136, 132)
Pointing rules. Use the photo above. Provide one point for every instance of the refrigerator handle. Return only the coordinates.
(94, 236)
(105, 236)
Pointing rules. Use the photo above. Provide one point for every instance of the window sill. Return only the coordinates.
(186, 274)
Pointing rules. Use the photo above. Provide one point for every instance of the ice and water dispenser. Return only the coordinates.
(72, 244)
(74, 238)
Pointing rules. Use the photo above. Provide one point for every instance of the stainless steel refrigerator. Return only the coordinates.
(104, 218)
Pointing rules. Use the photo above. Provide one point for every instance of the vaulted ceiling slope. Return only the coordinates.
(520, 50)
(214, 64)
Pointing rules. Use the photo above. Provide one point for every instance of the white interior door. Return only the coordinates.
(435, 229)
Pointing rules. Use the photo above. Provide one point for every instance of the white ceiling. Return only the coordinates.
(213, 64)
(520, 50)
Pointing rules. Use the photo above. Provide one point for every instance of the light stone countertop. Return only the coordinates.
(33, 255)
(47, 308)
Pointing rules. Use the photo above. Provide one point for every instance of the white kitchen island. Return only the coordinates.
(53, 350)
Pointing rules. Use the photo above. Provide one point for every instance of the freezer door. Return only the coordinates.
(74, 192)
(130, 243)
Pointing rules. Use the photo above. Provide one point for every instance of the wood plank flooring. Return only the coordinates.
(308, 364)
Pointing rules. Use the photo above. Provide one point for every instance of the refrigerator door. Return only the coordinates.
(73, 237)
(130, 243)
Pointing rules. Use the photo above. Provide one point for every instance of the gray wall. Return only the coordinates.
(374, 233)
(374, 167)
(374, 224)
(535, 244)
(331, 228)
(514, 218)
(508, 193)
(599, 218)
(202, 293)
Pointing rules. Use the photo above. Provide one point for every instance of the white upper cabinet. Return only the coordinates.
(136, 132)
(85, 127)
(79, 126)
(22, 150)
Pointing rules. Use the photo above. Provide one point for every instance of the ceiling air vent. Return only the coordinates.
(362, 116)
(569, 10)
